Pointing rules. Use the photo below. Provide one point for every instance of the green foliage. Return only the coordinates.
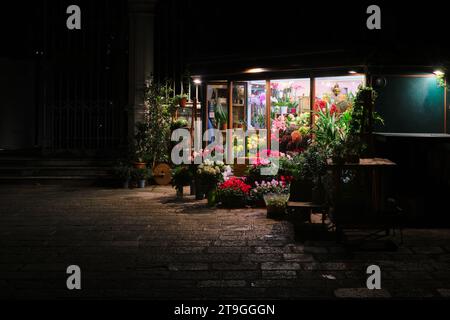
(360, 119)
(178, 124)
(123, 171)
(253, 174)
(307, 166)
(441, 81)
(330, 127)
(261, 120)
(156, 125)
(339, 134)
(178, 98)
(181, 176)
(142, 174)
(221, 115)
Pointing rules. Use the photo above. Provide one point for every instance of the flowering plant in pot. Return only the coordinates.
(264, 188)
(277, 200)
(209, 175)
(233, 193)
(181, 177)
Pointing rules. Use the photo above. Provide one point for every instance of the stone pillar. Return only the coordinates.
(141, 56)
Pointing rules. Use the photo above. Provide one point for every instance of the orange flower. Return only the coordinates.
(296, 136)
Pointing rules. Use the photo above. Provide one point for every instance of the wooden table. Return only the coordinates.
(375, 165)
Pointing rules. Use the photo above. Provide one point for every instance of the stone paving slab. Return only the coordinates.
(144, 244)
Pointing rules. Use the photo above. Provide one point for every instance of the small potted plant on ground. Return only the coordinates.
(264, 188)
(181, 100)
(276, 202)
(141, 146)
(233, 193)
(142, 175)
(181, 177)
(124, 173)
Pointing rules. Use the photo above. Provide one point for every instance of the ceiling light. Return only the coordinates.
(256, 70)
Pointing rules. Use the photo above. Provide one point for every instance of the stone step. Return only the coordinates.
(54, 171)
(20, 162)
(30, 169)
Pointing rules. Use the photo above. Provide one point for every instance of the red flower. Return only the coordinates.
(236, 184)
(333, 109)
(286, 179)
(320, 104)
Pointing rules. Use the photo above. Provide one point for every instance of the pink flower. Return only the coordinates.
(262, 99)
(296, 86)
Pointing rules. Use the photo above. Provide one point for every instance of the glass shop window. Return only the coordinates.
(239, 105)
(337, 93)
(290, 113)
(217, 117)
(217, 102)
(256, 111)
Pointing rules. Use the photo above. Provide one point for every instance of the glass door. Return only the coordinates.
(217, 116)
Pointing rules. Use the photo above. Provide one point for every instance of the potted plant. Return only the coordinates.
(276, 203)
(179, 124)
(181, 177)
(142, 175)
(181, 100)
(233, 193)
(124, 173)
(221, 117)
(263, 188)
(306, 170)
(141, 145)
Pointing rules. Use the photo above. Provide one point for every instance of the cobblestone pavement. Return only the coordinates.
(143, 244)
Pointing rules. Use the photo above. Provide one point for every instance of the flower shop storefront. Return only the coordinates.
(285, 106)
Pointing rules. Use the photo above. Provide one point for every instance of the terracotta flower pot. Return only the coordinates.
(139, 165)
(183, 103)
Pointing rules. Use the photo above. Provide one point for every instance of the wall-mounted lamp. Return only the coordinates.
(353, 72)
(197, 82)
(439, 73)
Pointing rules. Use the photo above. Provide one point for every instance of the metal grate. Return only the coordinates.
(83, 77)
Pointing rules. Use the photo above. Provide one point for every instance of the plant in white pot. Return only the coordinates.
(142, 175)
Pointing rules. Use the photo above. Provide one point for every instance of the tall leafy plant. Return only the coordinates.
(329, 128)
(159, 106)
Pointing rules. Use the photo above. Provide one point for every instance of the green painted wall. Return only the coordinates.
(411, 105)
